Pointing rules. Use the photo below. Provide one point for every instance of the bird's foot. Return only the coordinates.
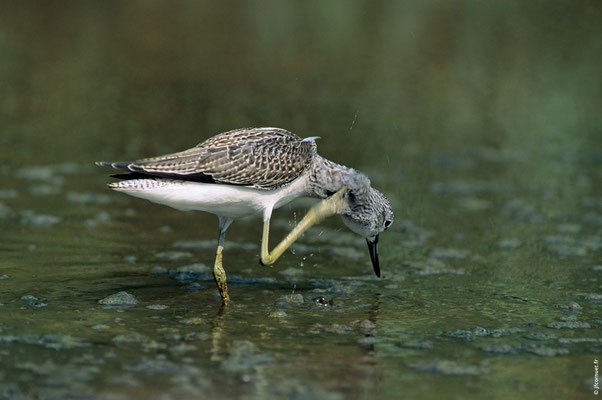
(331, 205)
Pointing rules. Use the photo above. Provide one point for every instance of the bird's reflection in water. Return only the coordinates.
(217, 329)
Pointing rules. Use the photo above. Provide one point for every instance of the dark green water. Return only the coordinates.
(480, 122)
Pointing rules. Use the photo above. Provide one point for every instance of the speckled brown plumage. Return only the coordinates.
(262, 158)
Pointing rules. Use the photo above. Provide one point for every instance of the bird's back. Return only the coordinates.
(262, 158)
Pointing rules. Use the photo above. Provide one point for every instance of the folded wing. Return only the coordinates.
(264, 158)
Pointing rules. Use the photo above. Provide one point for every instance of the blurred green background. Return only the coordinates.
(117, 76)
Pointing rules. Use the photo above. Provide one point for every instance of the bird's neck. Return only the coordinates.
(327, 177)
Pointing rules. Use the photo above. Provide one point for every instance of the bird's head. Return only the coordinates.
(367, 213)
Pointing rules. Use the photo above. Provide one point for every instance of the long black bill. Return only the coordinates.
(373, 247)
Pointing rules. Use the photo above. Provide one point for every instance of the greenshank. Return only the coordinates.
(254, 171)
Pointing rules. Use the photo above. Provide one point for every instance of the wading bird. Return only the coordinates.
(254, 171)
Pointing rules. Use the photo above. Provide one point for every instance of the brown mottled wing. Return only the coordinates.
(264, 158)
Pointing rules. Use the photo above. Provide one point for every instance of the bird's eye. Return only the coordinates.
(387, 224)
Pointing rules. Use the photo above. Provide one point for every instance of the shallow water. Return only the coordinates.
(480, 123)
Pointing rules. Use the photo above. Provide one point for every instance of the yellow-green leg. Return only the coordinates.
(327, 207)
(219, 273)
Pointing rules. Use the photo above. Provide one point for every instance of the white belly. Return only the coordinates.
(219, 199)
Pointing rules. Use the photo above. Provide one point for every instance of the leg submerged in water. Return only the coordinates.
(218, 270)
